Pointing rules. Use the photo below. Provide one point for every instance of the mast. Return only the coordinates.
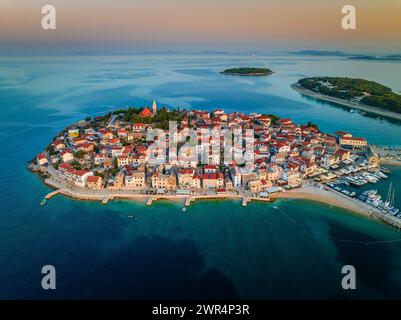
(388, 198)
(392, 200)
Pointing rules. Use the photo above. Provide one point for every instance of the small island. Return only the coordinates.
(360, 94)
(248, 71)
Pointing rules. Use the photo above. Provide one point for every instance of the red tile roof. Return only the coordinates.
(145, 113)
(212, 176)
(93, 179)
(353, 138)
(65, 152)
(65, 166)
(81, 172)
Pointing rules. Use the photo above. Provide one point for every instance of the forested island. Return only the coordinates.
(358, 91)
(248, 71)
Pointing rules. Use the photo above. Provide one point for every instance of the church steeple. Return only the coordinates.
(154, 107)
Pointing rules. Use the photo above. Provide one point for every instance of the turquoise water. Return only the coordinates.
(214, 250)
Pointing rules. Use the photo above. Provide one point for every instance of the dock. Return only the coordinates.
(52, 194)
(245, 201)
(188, 201)
(150, 200)
(106, 200)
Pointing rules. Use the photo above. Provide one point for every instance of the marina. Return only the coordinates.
(350, 186)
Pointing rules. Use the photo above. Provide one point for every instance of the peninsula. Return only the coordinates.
(121, 155)
(359, 94)
(248, 71)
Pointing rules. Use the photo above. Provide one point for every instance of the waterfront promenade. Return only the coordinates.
(309, 191)
(106, 194)
(390, 155)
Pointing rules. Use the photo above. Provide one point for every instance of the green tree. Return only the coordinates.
(80, 154)
(274, 118)
(312, 125)
(99, 174)
(50, 149)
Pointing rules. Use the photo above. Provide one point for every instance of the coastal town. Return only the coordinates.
(111, 157)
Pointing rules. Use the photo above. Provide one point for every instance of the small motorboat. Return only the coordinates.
(184, 209)
(43, 202)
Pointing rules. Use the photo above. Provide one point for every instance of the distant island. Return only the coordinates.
(322, 53)
(393, 57)
(356, 93)
(248, 71)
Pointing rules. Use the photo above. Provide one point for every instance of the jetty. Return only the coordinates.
(245, 201)
(188, 201)
(106, 200)
(150, 200)
(52, 194)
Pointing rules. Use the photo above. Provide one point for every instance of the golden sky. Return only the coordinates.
(241, 24)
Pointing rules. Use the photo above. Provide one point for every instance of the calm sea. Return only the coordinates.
(289, 249)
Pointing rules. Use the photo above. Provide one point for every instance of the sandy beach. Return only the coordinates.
(377, 111)
(337, 199)
(329, 197)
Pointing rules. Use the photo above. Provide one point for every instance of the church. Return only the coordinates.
(146, 111)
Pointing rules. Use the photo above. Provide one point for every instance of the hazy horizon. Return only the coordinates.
(229, 25)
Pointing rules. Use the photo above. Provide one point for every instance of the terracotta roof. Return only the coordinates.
(212, 176)
(342, 151)
(84, 145)
(57, 142)
(65, 152)
(81, 172)
(93, 179)
(186, 171)
(353, 138)
(145, 113)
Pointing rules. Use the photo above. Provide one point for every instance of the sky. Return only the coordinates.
(240, 25)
